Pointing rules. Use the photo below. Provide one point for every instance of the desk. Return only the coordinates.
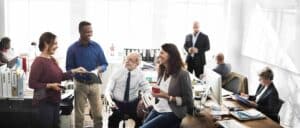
(261, 123)
(18, 112)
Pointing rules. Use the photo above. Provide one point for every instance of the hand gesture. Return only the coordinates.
(190, 50)
(79, 70)
(161, 94)
(54, 86)
(195, 50)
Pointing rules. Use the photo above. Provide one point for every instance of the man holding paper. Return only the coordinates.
(88, 54)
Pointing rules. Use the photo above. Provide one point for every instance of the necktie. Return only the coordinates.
(126, 95)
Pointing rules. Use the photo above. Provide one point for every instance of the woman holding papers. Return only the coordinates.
(45, 78)
(173, 91)
(266, 98)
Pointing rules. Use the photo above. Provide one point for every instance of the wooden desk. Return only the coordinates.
(261, 123)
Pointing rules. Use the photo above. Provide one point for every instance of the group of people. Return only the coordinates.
(85, 62)
(266, 98)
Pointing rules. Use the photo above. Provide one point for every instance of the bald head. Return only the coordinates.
(220, 58)
(132, 61)
(196, 26)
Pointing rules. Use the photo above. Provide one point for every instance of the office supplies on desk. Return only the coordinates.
(250, 114)
(230, 124)
(242, 100)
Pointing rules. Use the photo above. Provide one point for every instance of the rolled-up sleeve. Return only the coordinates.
(102, 60)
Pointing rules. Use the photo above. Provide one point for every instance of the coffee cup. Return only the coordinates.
(155, 89)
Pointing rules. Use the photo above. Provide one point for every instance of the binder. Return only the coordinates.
(4, 85)
(20, 84)
(1, 85)
(14, 83)
(9, 78)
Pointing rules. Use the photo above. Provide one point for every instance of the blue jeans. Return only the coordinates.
(161, 120)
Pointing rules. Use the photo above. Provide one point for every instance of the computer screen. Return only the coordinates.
(214, 81)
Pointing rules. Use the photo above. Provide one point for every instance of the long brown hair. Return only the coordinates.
(175, 63)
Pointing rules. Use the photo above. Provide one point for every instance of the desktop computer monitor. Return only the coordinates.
(214, 82)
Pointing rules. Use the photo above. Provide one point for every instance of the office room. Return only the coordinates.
(149, 63)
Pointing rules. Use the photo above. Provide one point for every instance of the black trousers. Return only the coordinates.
(125, 108)
(196, 67)
(47, 115)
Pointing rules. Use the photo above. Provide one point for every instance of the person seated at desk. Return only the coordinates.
(266, 98)
(222, 68)
(6, 53)
(174, 98)
(122, 91)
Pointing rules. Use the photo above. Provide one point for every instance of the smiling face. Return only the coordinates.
(86, 33)
(52, 47)
(132, 61)
(163, 57)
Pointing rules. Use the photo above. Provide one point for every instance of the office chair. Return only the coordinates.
(277, 108)
(235, 83)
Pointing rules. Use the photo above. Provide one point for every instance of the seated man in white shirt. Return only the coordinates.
(122, 91)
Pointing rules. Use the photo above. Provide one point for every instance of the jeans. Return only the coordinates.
(161, 120)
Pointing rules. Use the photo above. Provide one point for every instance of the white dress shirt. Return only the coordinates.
(261, 93)
(117, 84)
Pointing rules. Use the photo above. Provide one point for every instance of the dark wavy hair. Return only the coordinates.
(175, 63)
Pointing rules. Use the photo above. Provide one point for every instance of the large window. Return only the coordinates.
(124, 23)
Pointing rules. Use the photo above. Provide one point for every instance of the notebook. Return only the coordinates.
(242, 100)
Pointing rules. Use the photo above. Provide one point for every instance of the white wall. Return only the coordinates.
(2, 23)
(286, 82)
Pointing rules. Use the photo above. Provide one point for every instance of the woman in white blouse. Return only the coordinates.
(174, 100)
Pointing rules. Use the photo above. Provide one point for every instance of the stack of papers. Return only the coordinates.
(250, 114)
(231, 124)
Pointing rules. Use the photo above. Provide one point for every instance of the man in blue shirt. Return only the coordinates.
(88, 54)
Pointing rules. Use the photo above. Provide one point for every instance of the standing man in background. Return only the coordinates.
(196, 44)
(88, 54)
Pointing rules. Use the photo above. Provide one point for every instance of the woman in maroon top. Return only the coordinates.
(45, 78)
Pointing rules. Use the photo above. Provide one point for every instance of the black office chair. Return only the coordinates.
(277, 108)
